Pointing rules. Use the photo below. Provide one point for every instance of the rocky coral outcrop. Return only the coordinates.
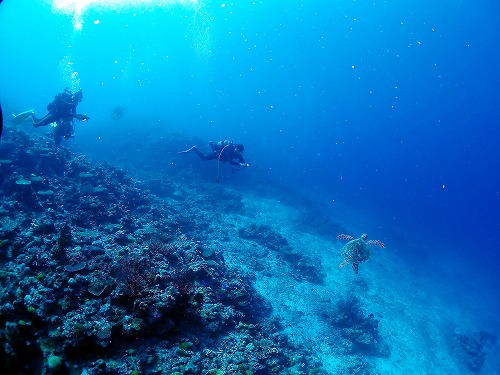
(303, 267)
(102, 276)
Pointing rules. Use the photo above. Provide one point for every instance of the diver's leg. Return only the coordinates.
(57, 137)
(203, 156)
(59, 132)
(45, 120)
(68, 130)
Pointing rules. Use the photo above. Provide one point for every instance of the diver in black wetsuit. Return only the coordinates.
(118, 112)
(62, 111)
(225, 151)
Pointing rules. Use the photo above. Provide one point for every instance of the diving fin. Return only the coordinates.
(21, 117)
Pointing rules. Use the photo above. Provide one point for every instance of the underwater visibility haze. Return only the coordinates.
(377, 117)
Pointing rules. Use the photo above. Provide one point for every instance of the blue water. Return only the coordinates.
(388, 107)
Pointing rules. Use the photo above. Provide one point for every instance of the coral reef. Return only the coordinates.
(356, 365)
(359, 331)
(472, 348)
(101, 276)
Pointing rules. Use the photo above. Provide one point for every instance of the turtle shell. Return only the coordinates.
(356, 251)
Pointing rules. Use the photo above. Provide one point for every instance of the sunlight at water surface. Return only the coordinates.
(77, 8)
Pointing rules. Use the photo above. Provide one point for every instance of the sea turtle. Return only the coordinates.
(357, 250)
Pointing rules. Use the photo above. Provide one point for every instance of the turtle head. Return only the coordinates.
(364, 236)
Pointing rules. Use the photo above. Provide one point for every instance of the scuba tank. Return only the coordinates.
(224, 143)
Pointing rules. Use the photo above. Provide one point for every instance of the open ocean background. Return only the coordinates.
(384, 114)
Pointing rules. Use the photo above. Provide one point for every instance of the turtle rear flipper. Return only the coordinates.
(343, 264)
(376, 243)
(355, 267)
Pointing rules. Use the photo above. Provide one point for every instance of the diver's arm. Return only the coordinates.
(240, 159)
(239, 163)
(81, 117)
(237, 160)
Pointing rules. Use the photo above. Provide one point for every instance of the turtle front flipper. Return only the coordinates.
(376, 243)
(345, 237)
(343, 264)
(355, 267)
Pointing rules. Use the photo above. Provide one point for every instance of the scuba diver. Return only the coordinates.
(225, 151)
(62, 111)
(118, 112)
